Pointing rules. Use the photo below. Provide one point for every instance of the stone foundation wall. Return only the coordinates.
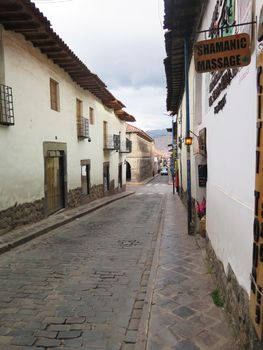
(96, 192)
(75, 197)
(21, 214)
(29, 213)
(236, 303)
(112, 187)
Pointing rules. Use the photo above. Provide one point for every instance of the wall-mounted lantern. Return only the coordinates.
(188, 140)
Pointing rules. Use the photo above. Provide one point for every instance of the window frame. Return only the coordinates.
(54, 95)
(91, 116)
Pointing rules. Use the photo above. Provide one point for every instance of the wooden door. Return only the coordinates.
(88, 178)
(120, 175)
(106, 177)
(55, 182)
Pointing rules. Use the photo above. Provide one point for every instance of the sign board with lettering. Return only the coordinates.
(222, 53)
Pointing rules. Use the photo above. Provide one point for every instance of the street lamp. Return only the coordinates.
(188, 140)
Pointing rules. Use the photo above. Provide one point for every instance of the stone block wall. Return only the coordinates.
(144, 169)
(21, 214)
(96, 192)
(29, 213)
(112, 186)
(236, 303)
(74, 197)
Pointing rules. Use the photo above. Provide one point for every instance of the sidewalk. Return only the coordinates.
(181, 312)
(26, 233)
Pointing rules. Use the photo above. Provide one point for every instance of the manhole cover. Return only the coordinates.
(128, 243)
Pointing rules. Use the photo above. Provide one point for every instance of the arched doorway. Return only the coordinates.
(128, 171)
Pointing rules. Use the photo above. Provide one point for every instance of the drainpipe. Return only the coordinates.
(187, 134)
(173, 168)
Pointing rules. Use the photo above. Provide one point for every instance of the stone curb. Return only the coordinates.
(142, 338)
(39, 232)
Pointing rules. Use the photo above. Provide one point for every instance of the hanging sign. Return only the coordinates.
(222, 53)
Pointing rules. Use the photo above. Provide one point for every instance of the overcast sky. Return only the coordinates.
(122, 41)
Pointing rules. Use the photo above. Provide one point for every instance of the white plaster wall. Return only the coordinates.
(28, 72)
(231, 145)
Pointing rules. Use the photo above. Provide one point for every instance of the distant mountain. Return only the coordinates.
(162, 143)
(161, 139)
(157, 133)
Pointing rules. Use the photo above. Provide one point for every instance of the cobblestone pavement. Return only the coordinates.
(183, 315)
(83, 285)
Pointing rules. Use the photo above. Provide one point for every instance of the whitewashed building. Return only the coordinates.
(62, 133)
(225, 126)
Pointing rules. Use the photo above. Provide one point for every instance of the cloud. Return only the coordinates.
(121, 41)
(146, 105)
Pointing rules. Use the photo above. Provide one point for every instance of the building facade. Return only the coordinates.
(61, 131)
(141, 161)
(219, 166)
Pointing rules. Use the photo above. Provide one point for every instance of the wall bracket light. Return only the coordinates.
(188, 140)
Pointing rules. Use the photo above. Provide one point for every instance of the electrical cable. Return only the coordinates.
(256, 286)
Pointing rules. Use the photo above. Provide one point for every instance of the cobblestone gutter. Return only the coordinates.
(136, 332)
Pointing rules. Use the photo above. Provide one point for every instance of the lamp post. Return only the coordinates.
(188, 138)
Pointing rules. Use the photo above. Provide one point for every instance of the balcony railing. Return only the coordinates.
(112, 142)
(83, 128)
(6, 106)
(126, 146)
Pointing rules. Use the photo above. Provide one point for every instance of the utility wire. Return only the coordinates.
(256, 286)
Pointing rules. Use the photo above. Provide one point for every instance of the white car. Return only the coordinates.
(164, 171)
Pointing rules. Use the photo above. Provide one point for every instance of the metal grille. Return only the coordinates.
(83, 128)
(116, 141)
(126, 146)
(6, 106)
(112, 142)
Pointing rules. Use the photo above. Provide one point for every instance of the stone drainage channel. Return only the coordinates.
(137, 331)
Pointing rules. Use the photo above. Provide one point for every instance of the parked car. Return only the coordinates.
(164, 171)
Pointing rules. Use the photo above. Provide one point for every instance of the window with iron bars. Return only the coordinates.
(83, 128)
(6, 105)
(126, 146)
(112, 142)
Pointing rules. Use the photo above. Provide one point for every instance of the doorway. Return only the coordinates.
(106, 176)
(55, 181)
(128, 171)
(85, 176)
(120, 175)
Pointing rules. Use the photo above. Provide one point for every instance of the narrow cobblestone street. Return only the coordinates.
(126, 276)
(82, 285)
